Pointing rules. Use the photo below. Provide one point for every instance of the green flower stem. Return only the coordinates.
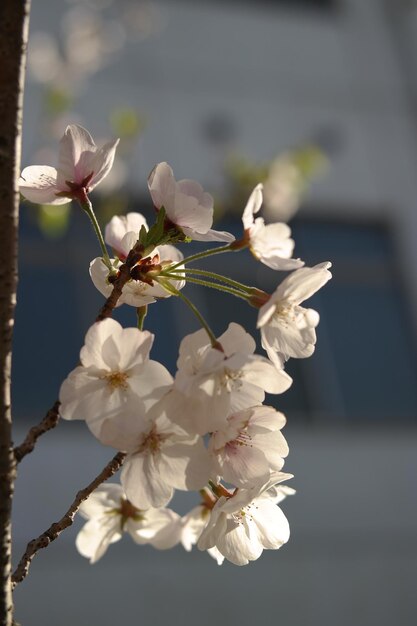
(141, 312)
(171, 289)
(206, 283)
(88, 208)
(203, 255)
(219, 277)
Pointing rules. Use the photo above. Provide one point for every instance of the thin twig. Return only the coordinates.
(66, 520)
(49, 421)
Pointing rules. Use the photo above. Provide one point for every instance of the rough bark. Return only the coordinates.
(13, 38)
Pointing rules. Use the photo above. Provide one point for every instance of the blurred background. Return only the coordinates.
(318, 99)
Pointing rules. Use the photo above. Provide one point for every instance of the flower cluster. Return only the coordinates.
(206, 429)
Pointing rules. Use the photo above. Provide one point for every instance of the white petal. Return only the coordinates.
(253, 205)
(161, 184)
(102, 162)
(303, 283)
(38, 183)
(185, 467)
(101, 346)
(99, 273)
(96, 535)
(143, 484)
(75, 151)
(236, 339)
(260, 371)
(239, 544)
(119, 225)
(209, 235)
(159, 527)
(244, 465)
(104, 498)
(272, 525)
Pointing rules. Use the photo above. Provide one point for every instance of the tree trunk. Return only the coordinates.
(14, 18)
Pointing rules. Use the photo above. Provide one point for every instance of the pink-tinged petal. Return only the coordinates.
(38, 184)
(143, 484)
(105, 497)
(253, 205)
(193, 189)
(75, 151)
(102, 162)
(243, 465)
(95, 537)
(161, 184)
(79, 157)
(272, 526)
(209, 235)
(303, 283)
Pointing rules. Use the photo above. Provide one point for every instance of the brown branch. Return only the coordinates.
(66, 520)
(14, 18)
(49, 421)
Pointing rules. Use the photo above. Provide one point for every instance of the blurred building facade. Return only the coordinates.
(255, 79)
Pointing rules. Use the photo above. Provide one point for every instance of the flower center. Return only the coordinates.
(128, 511)
(230, 378)
(116, 380)
(151, 443)
(243, 439)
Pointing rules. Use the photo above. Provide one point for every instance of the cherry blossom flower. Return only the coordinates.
(187, 205)
(122, 233)
(115, 370)
(81, 166)
(210, 384)
(161, 457)
(287, 329)
(249, 447)
(110, 514)
(138, 292)
(271, 244)
(246, 523)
